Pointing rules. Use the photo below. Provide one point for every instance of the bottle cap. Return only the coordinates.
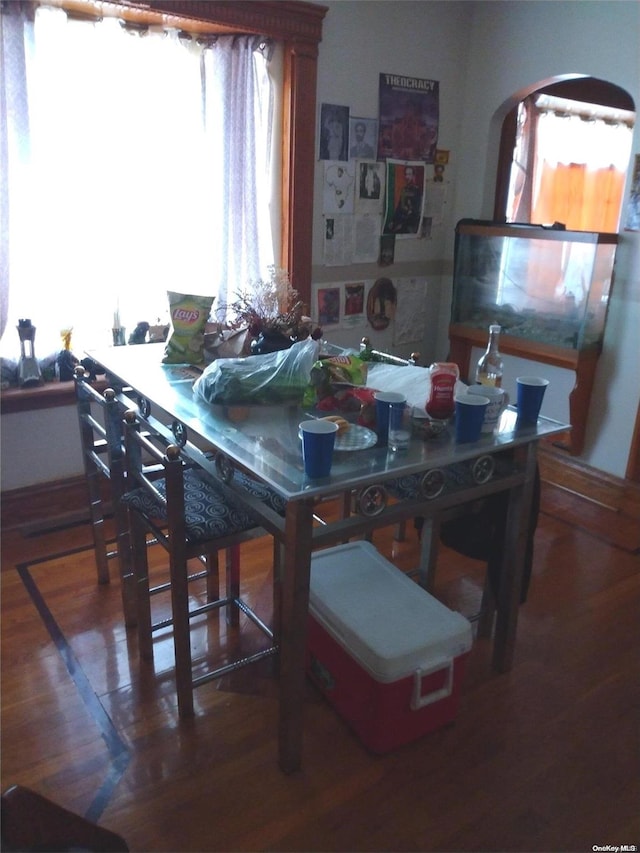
(494, 328)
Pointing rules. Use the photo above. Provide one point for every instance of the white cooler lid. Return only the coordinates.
(379, 615)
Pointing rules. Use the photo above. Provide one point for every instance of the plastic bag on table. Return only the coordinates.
(272, 379)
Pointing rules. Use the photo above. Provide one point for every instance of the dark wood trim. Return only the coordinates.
(47, 396)
(633, 464)
(583, 362)
(280, 19)
(287, 20)
(51, 502)
(505, 159)
(298, 155)
(616, 493)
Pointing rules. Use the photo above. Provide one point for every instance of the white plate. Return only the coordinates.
(356, 438)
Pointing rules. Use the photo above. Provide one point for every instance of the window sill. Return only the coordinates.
(47, 396)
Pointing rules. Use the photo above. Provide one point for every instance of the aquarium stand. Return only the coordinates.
(462, 339)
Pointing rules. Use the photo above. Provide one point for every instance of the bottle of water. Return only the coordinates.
(489, 369)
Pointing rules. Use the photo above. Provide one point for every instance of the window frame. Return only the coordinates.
(588, 89)
(297, 25)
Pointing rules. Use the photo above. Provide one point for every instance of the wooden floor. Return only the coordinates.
(543, 758)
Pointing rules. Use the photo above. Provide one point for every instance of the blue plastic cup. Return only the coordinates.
(529, 398)
(318, 439)
(470, 410)
(384, 400)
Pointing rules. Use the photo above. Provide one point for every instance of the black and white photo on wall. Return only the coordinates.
(334, 132)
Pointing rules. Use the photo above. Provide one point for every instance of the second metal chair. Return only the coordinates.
(191, 515)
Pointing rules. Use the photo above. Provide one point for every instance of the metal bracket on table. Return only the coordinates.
(482, 469)
(433, 483)
(224, 467)
(179, 433)
(144, 406)
(372, 500)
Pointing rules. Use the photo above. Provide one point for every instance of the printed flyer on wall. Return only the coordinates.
(408, 118)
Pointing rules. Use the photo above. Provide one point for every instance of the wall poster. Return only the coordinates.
(408, 118)
(404, 198)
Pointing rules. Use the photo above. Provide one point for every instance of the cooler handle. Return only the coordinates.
(418, 700)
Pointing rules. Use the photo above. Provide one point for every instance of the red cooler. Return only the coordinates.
(385, 653)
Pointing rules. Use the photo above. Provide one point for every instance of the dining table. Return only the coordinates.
(377, 487)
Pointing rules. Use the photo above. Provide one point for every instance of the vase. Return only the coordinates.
(268, 341)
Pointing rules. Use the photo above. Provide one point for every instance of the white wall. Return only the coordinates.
(418, 39)
(39, 447)
(483, 54)
(486, 55)
(510, 51)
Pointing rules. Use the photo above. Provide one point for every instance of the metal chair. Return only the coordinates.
(101, 436)
(477, 530)
(191, 514)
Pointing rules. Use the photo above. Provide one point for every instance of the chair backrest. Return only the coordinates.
(143, 441)
(371, 354)
(101, 437)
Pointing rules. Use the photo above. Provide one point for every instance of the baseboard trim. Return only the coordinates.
(599, 487)
(51, 504)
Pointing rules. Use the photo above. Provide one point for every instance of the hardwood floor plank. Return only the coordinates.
(544, 757)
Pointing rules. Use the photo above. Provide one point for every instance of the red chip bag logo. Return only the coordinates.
(185, 315)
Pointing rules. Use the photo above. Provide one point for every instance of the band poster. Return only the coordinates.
(404, 198)
(408, 118)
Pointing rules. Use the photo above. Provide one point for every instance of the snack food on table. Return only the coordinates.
(189, 315)
(354, 400)
(343, 425)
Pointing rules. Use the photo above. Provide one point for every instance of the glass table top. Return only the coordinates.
(265, 439)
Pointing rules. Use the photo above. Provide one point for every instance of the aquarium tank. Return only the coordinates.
(540, 283)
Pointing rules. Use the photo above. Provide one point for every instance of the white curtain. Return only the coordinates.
(597, 143)
(146, 174)
(14, 135)
(233, 86)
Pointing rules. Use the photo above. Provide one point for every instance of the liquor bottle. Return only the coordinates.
(489, 369)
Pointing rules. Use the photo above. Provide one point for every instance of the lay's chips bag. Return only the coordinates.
(189, 315)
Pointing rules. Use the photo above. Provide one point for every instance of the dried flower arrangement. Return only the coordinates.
(271, 307)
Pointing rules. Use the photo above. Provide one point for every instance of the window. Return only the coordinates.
(299, 30)
(564, 155)
(141, 174)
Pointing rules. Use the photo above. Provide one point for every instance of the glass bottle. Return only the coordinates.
(65, 360)
(489, 369)
(28, 367)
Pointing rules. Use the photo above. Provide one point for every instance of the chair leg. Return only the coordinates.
(181, 629)
(401, 531)
(140, 567)
(233, 584)
(97, 526)
(278, 565)
(487, 610)
(127, 576)
(213, 575)
(429, 539)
